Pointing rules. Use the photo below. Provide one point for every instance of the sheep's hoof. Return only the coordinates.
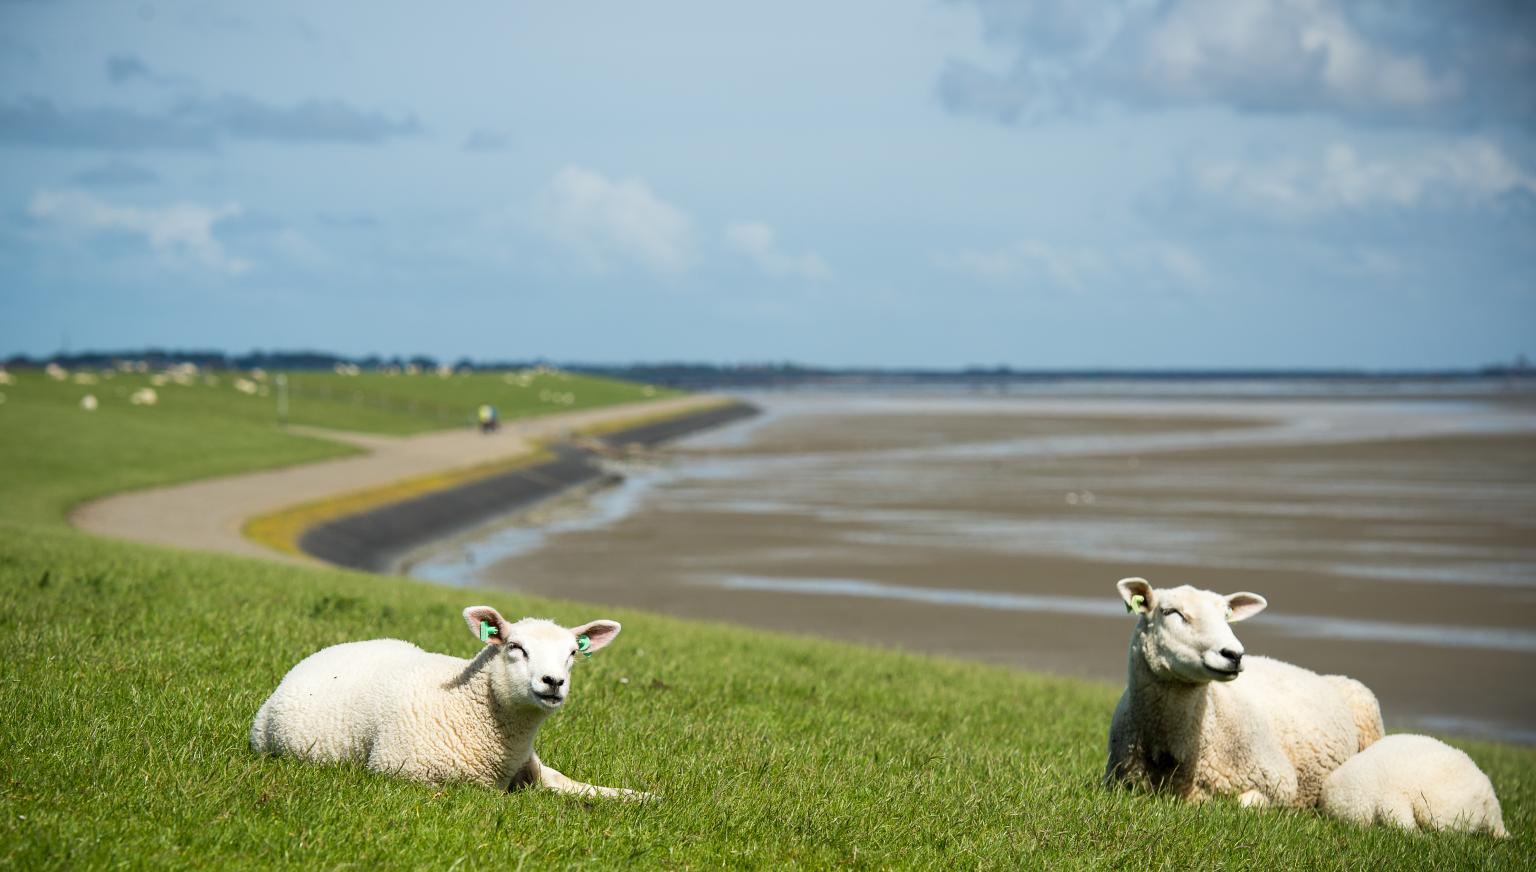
(1253, 799)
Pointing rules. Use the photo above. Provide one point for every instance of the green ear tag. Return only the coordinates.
(582, 644)
(1137, 600)
(486, 631)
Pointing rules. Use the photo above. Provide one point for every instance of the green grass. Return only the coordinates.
(370, 403)
(411, 404)
(130, 674)
(55, 455)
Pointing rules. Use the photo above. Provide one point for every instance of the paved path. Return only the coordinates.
(208, 514)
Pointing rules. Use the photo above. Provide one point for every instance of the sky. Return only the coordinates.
(938, 183)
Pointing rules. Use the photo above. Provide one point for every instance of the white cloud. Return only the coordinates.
(757, 241)
(1340, 178)
(1067, 267)
(1176, 261)
(1275, 51)
(179, 234)
(602, 219)
(1080, 268)
(1257, 55)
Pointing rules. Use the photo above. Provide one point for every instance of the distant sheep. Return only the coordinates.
(432, 717)
(89, 403)
(1188, 725)
(1414, 782)
(144, 397)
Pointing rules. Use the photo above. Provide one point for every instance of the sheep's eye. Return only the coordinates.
(513, 646)
(1167, 612)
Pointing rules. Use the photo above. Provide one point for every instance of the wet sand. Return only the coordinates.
(1395, 543)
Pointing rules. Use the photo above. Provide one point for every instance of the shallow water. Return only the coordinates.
(1228, 515)
(1396, 541)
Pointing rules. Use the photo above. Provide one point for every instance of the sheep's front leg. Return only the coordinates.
(562, 783)
(1253, 799)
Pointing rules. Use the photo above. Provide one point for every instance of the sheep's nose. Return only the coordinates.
(553, 681)
(1235, 656)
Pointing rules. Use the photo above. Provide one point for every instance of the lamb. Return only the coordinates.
(432, 717)
(1414, 782)
(1188, 726)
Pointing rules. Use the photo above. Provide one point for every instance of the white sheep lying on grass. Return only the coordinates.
(433, 717)
(1414, 781)
(1189, 725)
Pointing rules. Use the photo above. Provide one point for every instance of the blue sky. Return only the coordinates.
(1189, 183)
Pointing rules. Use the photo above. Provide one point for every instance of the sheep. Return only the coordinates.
(144, 397)
(1414, 782)
(432, 717)
(1187, 725)
(89, 402)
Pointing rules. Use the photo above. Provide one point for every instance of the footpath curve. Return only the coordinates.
(209, 514)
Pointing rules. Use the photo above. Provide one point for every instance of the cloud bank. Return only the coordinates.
(1428, 63)
(197, 124)
(605, 221)
(758, 242)
(179, 234)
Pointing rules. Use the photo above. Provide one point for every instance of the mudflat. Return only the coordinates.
(1395, 543)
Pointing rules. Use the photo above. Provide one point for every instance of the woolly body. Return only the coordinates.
(1414, 782)
(1199, 719)
(398, 709)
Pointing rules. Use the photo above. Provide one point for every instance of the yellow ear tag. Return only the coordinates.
(1137, 601)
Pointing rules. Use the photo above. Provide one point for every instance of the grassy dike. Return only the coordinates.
(130, 674)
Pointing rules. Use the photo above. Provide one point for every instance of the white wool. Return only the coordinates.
(432, 717)
(1199, 718)
(1414, 782)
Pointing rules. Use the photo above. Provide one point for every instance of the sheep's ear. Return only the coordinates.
(598, 633)
(1244, 605)
(495, 629)
(1137, 594)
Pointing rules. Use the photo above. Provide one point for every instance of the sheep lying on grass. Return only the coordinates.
(1187, 724)
(433, 717)
(1414, 781)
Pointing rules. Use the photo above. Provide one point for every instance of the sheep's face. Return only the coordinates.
(537, 655)
(1185, 634)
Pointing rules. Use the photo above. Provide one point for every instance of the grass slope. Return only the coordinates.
(130, 674)
(56, 455)
(370, 403)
